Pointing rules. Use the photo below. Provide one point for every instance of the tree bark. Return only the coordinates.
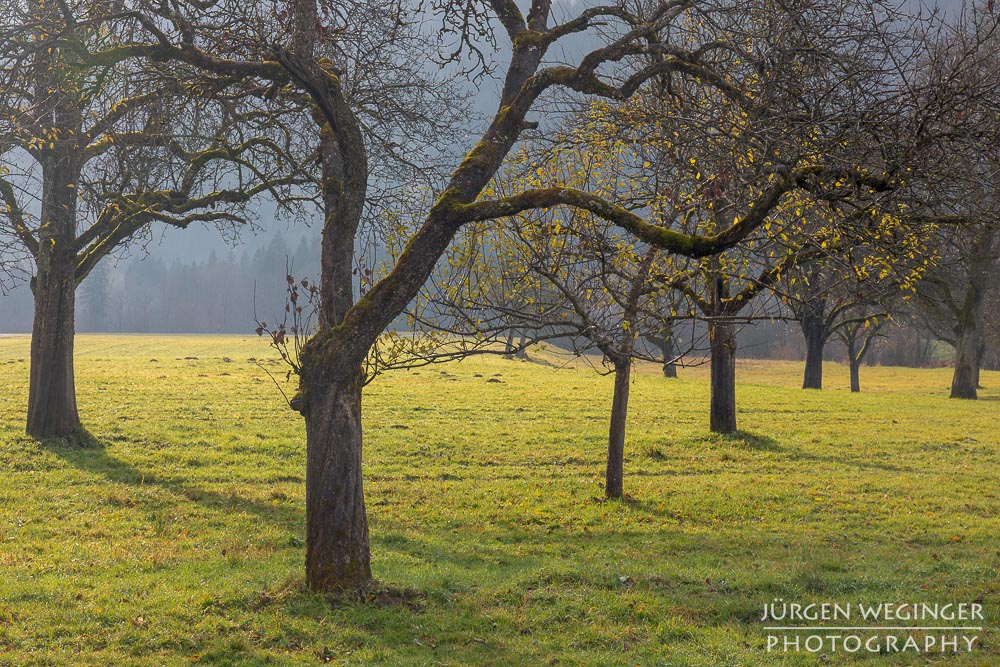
(52, 408)
(964, 382)
(667, 350)
(979, 361)
(968, 336)
(616, 432)
(522, 350)
(854, 361)
(815, 335)
(338, 557)
(722, 341)
(855, 374)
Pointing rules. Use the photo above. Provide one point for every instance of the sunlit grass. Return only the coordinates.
(177, 536)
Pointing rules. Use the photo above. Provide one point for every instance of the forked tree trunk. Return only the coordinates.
(51, 390)
(616, 433)
(338, 556)
(722, 340)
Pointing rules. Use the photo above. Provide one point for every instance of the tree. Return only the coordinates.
(94, 153)
(578, 280)
(952, 300)
(851, 285)
(857, 334)
(956, 186)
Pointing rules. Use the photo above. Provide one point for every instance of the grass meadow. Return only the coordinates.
(176, 535)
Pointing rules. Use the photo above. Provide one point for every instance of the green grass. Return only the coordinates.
(177, 536)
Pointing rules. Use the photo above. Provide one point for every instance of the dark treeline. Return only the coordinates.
(219, 294)
(224, 292)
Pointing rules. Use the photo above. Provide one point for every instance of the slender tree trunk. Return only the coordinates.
(979, 362)
(522, 351)
(854, 362)
(616, 432)
(338, 556)
(722, 340)
(815, 335)
(667, 350)
(51, 390)
(509, 347)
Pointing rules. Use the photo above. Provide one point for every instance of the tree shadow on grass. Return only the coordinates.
(85, 452)
(768, 444)
(753, 441)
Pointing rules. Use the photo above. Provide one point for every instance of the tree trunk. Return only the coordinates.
(52, 394)
(854, 361)
(979, 362)
(667, 350)
(51, 390)
(522, 350)
(338, 557)
(722, 340)
(815, 334)
(965, 379)
(616, 432)
(968, 343)
(508, 352)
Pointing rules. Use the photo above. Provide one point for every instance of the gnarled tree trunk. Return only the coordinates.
(814, 329)
(616, 432)
(722, 340)
(338, 555)
(51, 392)
(52, 408)
(965, 380)
(969, 327)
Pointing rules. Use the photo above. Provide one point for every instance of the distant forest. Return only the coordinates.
(222, 293)
(147, 295)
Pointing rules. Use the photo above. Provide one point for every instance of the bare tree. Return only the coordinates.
(952, 300)
(97, 149)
